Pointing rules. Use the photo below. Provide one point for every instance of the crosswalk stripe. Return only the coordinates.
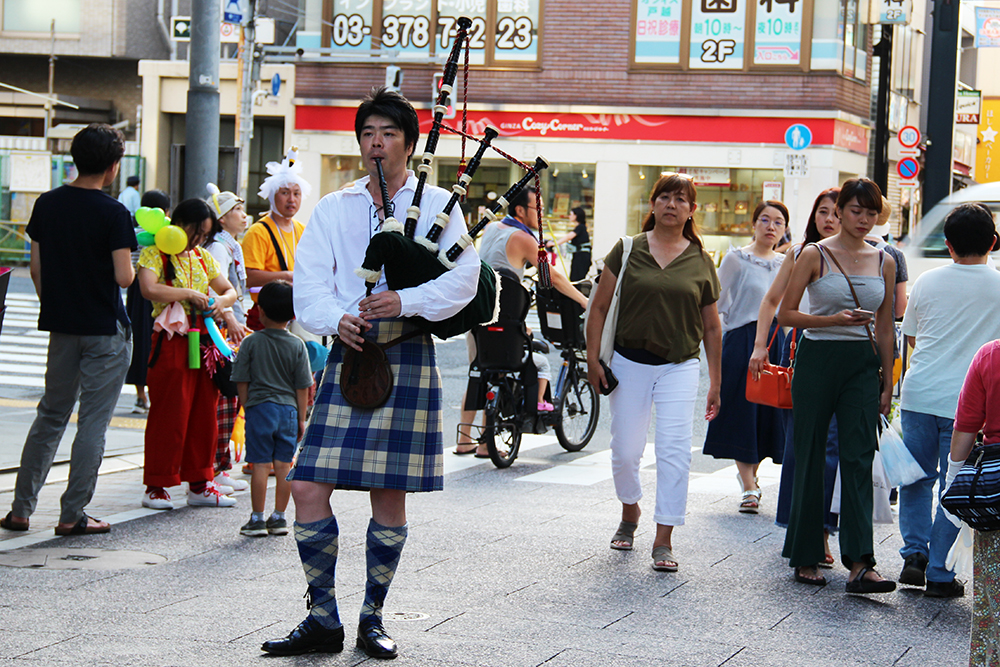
(23, 358)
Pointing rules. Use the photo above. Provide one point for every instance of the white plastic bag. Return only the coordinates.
(900, 466)
(881, 509)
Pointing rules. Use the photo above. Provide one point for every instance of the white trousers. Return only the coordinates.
(673, 389)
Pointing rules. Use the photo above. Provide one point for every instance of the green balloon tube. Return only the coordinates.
(194, 348)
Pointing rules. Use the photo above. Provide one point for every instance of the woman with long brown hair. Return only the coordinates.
(667, 308)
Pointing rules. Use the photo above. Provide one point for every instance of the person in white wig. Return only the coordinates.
(269, 245)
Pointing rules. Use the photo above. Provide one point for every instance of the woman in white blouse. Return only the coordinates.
(746, 432)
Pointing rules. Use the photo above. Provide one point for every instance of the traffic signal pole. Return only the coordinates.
(941, 102)
(201, 155)
(884, 52)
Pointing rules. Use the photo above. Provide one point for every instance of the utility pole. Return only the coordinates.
(52, 83)
(941, 102)
(884, 52)
(201, 155)
(245, 84)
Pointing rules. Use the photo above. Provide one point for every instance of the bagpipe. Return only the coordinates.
(409, 261)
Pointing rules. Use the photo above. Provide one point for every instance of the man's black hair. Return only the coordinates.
(389, 104)
(520, 199)
(275, 299)
(96, 148)
(970, 230)
(156, 199)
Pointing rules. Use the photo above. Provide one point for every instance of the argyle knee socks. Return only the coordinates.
(317, 543)
(384, 546)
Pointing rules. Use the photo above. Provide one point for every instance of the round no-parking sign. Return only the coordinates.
(908, 168)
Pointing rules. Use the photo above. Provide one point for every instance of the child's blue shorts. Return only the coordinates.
(272, 431)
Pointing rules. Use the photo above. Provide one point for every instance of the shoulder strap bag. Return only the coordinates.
(611, 321)
(974, 496)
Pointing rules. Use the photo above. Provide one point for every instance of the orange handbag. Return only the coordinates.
(774, 388)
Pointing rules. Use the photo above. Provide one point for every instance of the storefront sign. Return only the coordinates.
(707, 176)
(717, 34)
(968, 104)
(778, 34)
(987, 27)
(772, 191)
(986, 172)
(852, 137)
(890, 12)
(658, 31)
(621, 127)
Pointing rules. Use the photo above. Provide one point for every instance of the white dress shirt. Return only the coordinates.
(334, 244)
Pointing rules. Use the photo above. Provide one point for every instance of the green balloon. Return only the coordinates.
(151, 219)
(145, 238)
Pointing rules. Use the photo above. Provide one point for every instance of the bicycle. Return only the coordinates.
(504, 354)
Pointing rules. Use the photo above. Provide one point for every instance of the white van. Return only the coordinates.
(926, 249)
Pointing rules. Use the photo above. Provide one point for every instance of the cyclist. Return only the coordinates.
(511, 245)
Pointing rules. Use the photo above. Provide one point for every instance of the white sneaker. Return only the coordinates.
(225, 490)
(157, 499)
(210, 497)
(223, 479)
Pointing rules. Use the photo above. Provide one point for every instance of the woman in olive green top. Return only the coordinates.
(667, 308)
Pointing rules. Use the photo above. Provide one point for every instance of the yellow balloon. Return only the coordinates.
(171, 240)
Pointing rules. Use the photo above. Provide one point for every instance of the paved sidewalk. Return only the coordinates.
(497, 571)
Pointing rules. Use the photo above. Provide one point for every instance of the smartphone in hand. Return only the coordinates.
(861, 312)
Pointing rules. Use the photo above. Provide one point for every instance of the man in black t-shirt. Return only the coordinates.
(81, 240)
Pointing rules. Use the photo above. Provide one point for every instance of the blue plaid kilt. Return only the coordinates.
(397, 446)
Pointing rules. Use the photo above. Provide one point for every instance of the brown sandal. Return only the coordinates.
(8, 523)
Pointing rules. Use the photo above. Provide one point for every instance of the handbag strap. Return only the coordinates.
(828, 253)
(274, 241)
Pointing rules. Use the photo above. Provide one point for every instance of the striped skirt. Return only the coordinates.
(396, 446)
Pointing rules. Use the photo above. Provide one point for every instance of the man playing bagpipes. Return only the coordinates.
(388, 450)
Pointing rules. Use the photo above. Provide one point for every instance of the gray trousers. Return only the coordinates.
(91, 368)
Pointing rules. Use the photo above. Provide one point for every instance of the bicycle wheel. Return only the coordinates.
(502, 429)
(577, 409)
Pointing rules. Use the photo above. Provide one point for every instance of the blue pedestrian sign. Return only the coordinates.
(234, 11)
(275, 84)
(798, 137)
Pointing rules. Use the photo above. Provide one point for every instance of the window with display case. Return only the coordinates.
(565, 186)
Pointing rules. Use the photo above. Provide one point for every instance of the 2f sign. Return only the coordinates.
(890, 12)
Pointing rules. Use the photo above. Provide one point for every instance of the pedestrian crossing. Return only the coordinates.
(23, 347)
(596, 468)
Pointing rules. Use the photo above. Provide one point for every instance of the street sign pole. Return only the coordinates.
(245, 84)
(201, 156)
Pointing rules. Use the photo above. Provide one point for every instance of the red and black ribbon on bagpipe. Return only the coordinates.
(407, 260)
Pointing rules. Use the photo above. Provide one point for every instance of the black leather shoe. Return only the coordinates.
(375, 641)
(914, 566)
(944, 589)
(308, 637)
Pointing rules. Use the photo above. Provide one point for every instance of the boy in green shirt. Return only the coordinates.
(273, 377)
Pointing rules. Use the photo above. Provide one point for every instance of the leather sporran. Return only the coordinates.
(366, 376)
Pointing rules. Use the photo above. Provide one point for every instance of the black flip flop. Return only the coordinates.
(820, 581)
(458, 453)
(83, 527)
(8, 523)
(482, 456)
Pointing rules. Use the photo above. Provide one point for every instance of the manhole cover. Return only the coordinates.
(79, 559)
(405, 615)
